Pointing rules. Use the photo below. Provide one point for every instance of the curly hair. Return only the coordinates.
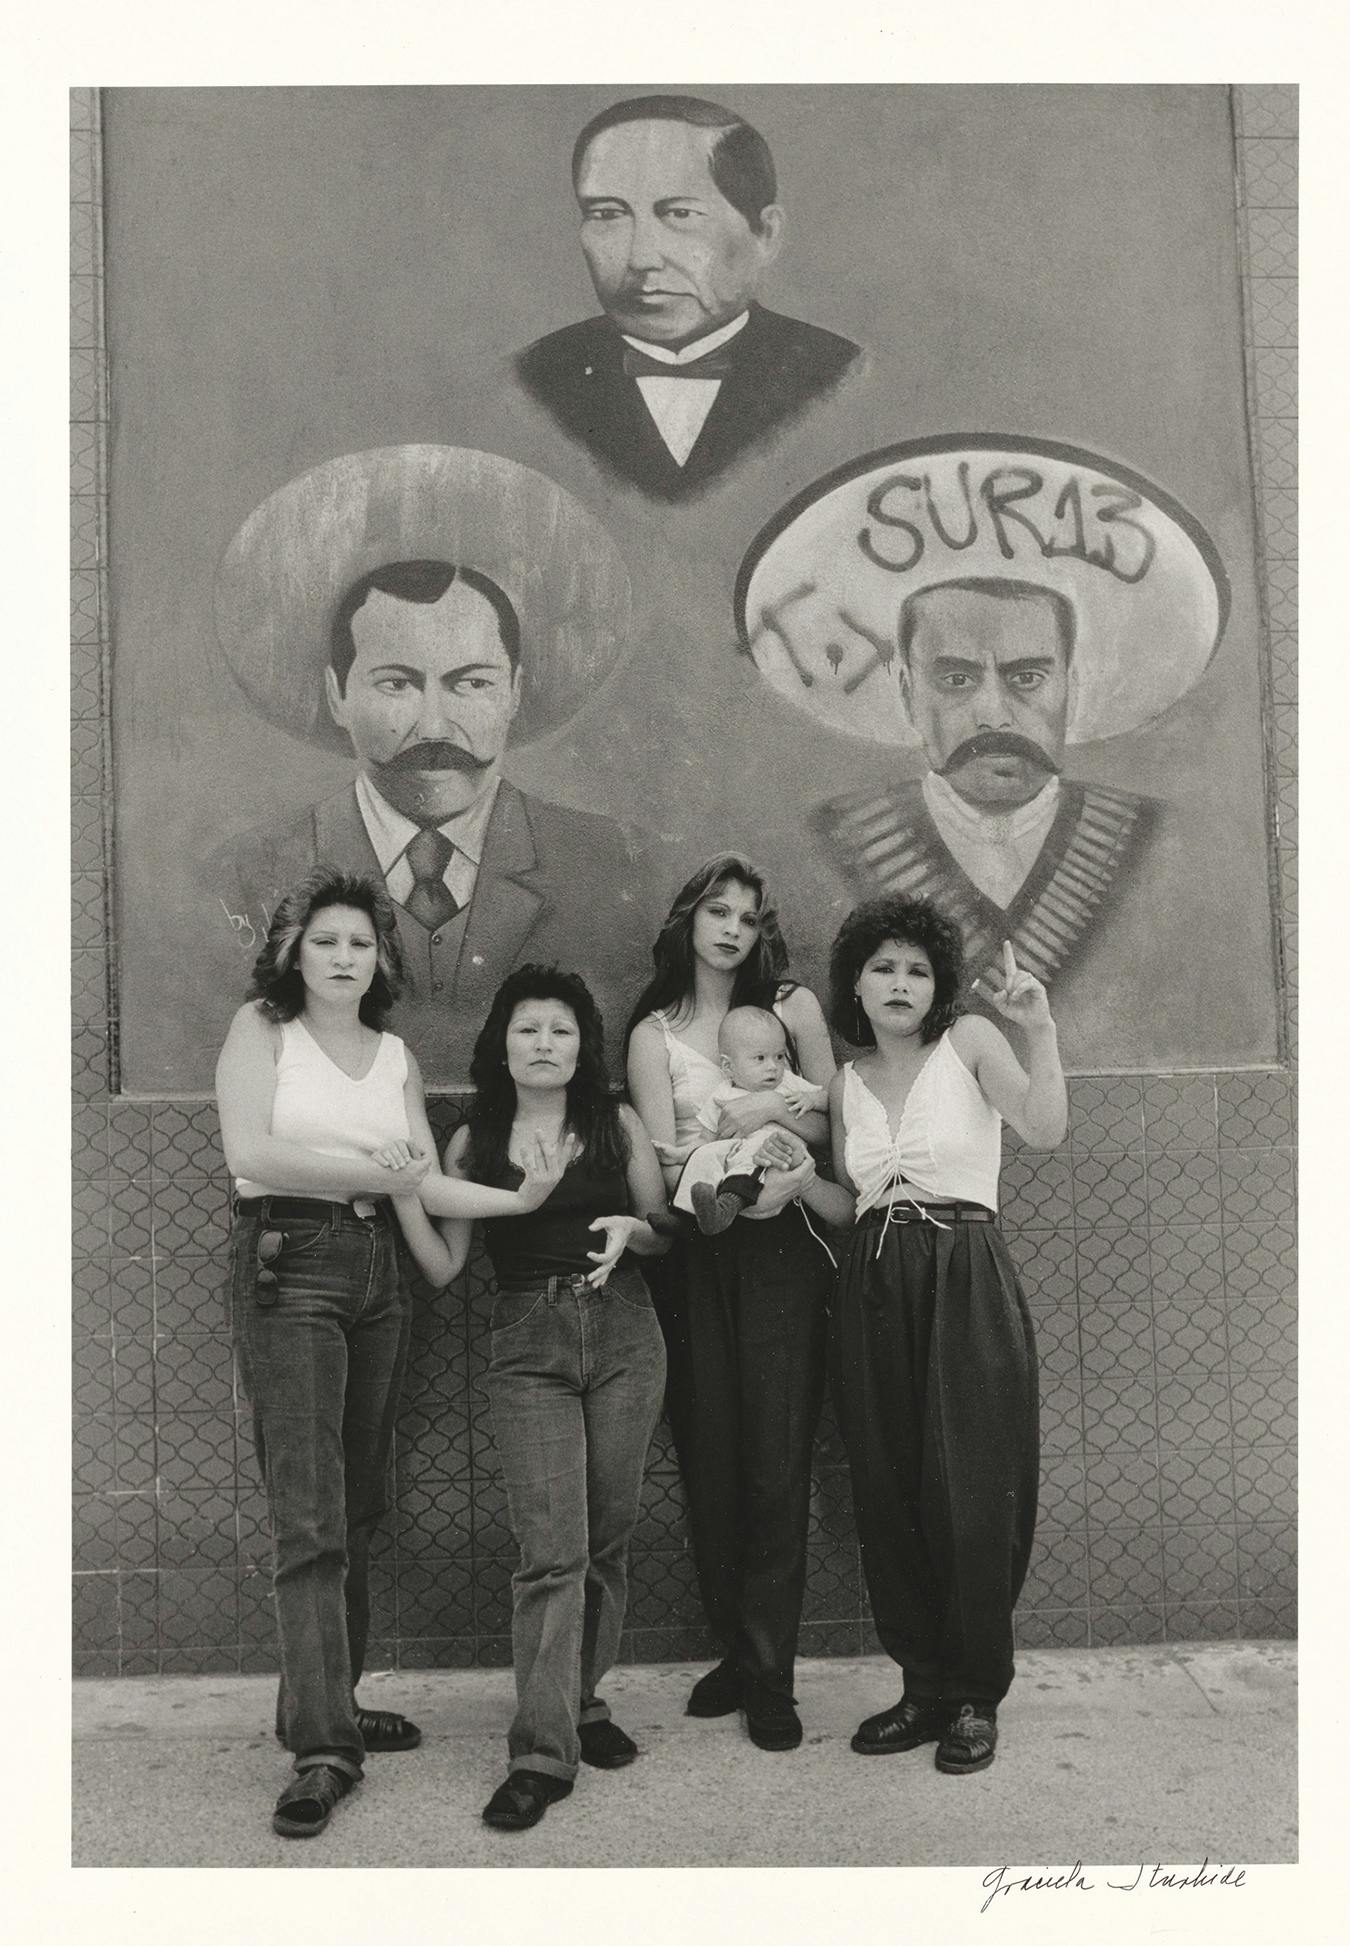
(913, 922)
(277, 984)
(592, 1111)
(760, 976)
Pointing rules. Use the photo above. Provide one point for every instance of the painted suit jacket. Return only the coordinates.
(886, 842)
(780, 366)
(554, 886)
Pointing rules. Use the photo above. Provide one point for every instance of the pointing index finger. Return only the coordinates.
(1009, 963)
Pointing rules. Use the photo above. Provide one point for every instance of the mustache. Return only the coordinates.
(438, 755)
(998, 743)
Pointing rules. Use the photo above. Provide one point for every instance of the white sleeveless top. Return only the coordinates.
(320, 1107)
(948, 1145)
(692, 1079)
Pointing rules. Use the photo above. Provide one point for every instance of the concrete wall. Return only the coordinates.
(1158, 1245)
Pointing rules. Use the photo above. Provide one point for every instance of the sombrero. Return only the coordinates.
(819, 594)
(286, 570)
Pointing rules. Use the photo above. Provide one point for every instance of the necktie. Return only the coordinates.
(713, 364)
(430, 902)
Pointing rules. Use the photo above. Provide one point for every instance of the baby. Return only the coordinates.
(721, 1178)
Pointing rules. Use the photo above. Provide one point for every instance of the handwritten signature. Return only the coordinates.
(1149, 1878)
(244, 930)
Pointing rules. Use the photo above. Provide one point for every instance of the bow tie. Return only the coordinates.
(713, 364)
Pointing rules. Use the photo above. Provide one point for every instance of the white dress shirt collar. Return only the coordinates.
(679, 407)
(995, 849)
(390, 834)
(688, 353)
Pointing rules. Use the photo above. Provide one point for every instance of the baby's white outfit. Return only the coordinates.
(735, 1155)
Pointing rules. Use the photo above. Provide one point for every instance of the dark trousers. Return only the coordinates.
(744, 1319)
(322, 1366)
(933, 1372)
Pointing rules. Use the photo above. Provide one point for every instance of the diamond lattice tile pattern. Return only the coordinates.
(1166, 1338)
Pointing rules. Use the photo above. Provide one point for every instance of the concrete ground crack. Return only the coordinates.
(1188, 1672)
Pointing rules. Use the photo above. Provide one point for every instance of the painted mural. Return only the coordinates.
(528, 632)
(993, 601)
(423, 607)
(679, 223)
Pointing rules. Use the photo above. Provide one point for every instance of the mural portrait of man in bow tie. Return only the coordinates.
(679, 223)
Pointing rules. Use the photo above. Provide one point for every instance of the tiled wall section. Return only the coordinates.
(1158, 1250)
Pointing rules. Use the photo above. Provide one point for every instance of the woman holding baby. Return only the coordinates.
(743, 1308)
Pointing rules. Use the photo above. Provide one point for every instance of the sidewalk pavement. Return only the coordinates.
(1174, 1754)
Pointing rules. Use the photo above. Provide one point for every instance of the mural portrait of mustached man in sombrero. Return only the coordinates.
(993, 601)
(425, 607)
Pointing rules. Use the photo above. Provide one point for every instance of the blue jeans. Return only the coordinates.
(575, 1385)
(322, 1366)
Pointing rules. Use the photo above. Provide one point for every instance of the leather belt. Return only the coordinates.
(908, 1212)
(551, 1287)
(311, 1208)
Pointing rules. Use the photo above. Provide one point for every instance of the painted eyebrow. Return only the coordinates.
(407, 669)
(694, 198)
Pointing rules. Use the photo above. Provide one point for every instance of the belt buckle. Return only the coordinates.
(363, 1206)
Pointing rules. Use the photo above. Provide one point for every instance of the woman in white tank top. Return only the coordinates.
(743, 1313)
(325, 1131)
(932, 1356)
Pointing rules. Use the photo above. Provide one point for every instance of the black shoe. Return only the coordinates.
(307, 1803)
(714, 1213)
(904, 1726)
(716, 1694)
(968, 1741)
(771, 1720)
(523, 1799)
(387, 1730)
(605, 1745)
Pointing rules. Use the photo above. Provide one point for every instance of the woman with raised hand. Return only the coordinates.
(577, 1364)
(325, 1132)
(743, 1311)
(932, 1355)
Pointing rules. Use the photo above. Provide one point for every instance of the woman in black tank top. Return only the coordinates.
(577, 1366)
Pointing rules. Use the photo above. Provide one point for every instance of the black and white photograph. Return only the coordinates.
(684, 865)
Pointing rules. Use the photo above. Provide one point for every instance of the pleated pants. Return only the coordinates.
(933, 1373)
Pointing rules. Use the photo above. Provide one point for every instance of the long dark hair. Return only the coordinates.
(760, 976)
(277, 984)
(910, 922)
(592, 1112)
